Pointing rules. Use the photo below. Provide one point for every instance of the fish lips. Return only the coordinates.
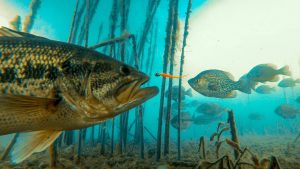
(131, 94)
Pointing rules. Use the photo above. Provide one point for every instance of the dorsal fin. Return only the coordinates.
(6, 32)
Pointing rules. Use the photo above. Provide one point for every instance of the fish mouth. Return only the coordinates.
(130, 94)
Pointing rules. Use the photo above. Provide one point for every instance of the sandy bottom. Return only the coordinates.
(285, 148)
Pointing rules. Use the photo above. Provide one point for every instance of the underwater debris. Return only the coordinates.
(242, 159)
(53, 154)
(287, 111)
(233, 131)
(202, 147)
(29, 19)
(267, 73)
(220, 130)
(217, 83)
(265, 89)
(9, 146)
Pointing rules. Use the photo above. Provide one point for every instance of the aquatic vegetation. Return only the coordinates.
(29, 20)
(51, 74)
(241, 159)
(85, 72)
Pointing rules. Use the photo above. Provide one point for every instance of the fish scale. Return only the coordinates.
(21, 61)
(48, 86)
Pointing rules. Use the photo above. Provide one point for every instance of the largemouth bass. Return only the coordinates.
(48, 86)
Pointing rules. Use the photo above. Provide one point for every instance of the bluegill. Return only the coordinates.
(267, 73)
(288, 82)
(265, 89)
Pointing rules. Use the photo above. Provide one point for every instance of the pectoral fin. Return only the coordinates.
(31, 142)
(26, 104)
(232, 94)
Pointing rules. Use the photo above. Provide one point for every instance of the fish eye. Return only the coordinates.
(124, 70)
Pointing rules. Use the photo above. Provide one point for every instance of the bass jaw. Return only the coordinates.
(131, 94)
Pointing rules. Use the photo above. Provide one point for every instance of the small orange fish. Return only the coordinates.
(165, 75)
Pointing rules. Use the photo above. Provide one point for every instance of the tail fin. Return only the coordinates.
(189, 93)
(285, 70)
(243, 86)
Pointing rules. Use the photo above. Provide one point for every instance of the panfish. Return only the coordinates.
(252, 84)
(211, 109)
(288, 82)
(205, 119)
(287, 111)
(49, 86)
(267, 73)
(175, 92)
(218, 83)
(185, 121)
(265, 89)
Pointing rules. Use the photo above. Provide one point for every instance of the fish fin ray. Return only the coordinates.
(230, 76)
(232, 94)
(6, 32)
(285, 70)
(26, 104)
(31, 142)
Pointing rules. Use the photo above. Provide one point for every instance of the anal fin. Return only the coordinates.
(31, 142)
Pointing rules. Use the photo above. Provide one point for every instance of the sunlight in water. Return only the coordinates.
(7, 13)
(4, 21)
